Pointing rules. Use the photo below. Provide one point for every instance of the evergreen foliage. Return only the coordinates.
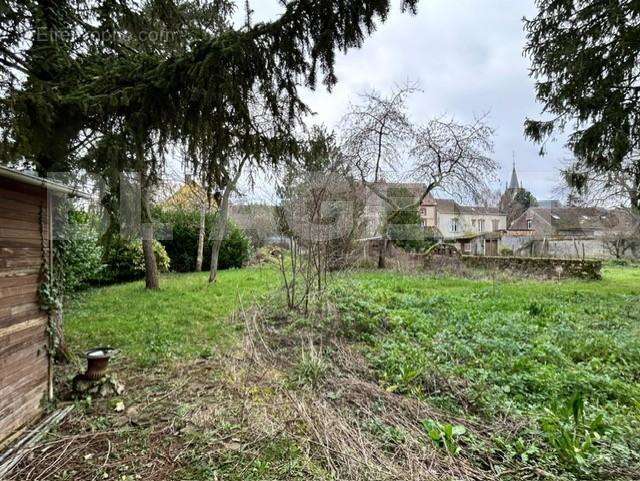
(95, 70)
(125, 260)
(182, 247)
(584, 57)
(403, 224)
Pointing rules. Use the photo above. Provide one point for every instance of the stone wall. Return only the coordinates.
(539, 267)
(569, 248)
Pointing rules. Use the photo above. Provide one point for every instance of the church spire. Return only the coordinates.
(515, 184)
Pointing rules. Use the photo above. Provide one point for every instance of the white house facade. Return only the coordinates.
(454, 220)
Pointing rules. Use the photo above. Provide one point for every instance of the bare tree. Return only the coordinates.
(376, 130)
(453, 157)
(439, 155)
(621, 244)
(375, 133)
(318, 212)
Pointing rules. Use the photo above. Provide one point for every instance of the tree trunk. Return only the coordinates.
(221, 222)
(151, 266)
(219, 233)
(382, 257)
(201, 234)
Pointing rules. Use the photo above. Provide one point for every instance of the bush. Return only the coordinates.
(235, 250)
(506, 251)
(183, 246)
(125, 260)
(80, 254)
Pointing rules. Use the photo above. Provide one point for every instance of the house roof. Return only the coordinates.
(188, 196)
(31, 179)
(578, 218)
(549, 203)
(446, 206)
(449, 206)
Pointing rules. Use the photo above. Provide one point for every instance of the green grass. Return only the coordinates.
(185, 319)
(521, 350)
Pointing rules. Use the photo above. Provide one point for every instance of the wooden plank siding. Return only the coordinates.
(24, 246)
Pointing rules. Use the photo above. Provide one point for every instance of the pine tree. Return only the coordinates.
(584, 57)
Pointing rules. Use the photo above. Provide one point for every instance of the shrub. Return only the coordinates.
(183, 246)
(235, 250)
(506, 251)
(79, 251)
(125, 260)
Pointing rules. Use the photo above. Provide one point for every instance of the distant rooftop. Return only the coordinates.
(449, 206)
(578, 218)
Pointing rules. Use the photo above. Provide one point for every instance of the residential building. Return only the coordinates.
(444, 218)
(456, 221)
(590, 222)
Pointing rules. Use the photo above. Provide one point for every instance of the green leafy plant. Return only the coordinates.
(571, 434)
(182, 247)
(535, 309)
(311, 368)
(445, 436)
(80, 251)
(125, 260)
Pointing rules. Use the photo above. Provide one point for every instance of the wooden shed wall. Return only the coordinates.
(24, 245)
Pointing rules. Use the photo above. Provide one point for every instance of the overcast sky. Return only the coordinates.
(467, 55)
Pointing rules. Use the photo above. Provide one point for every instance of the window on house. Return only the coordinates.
(480, 225)
(473, 223)
(496, 225)
(453, 225)
(529, 224)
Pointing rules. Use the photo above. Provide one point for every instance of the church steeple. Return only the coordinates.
(514, 178)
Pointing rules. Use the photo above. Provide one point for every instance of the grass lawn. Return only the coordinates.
(561, 358)
(185, 319)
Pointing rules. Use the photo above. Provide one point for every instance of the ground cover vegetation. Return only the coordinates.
(394, 377)
(559, 362)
